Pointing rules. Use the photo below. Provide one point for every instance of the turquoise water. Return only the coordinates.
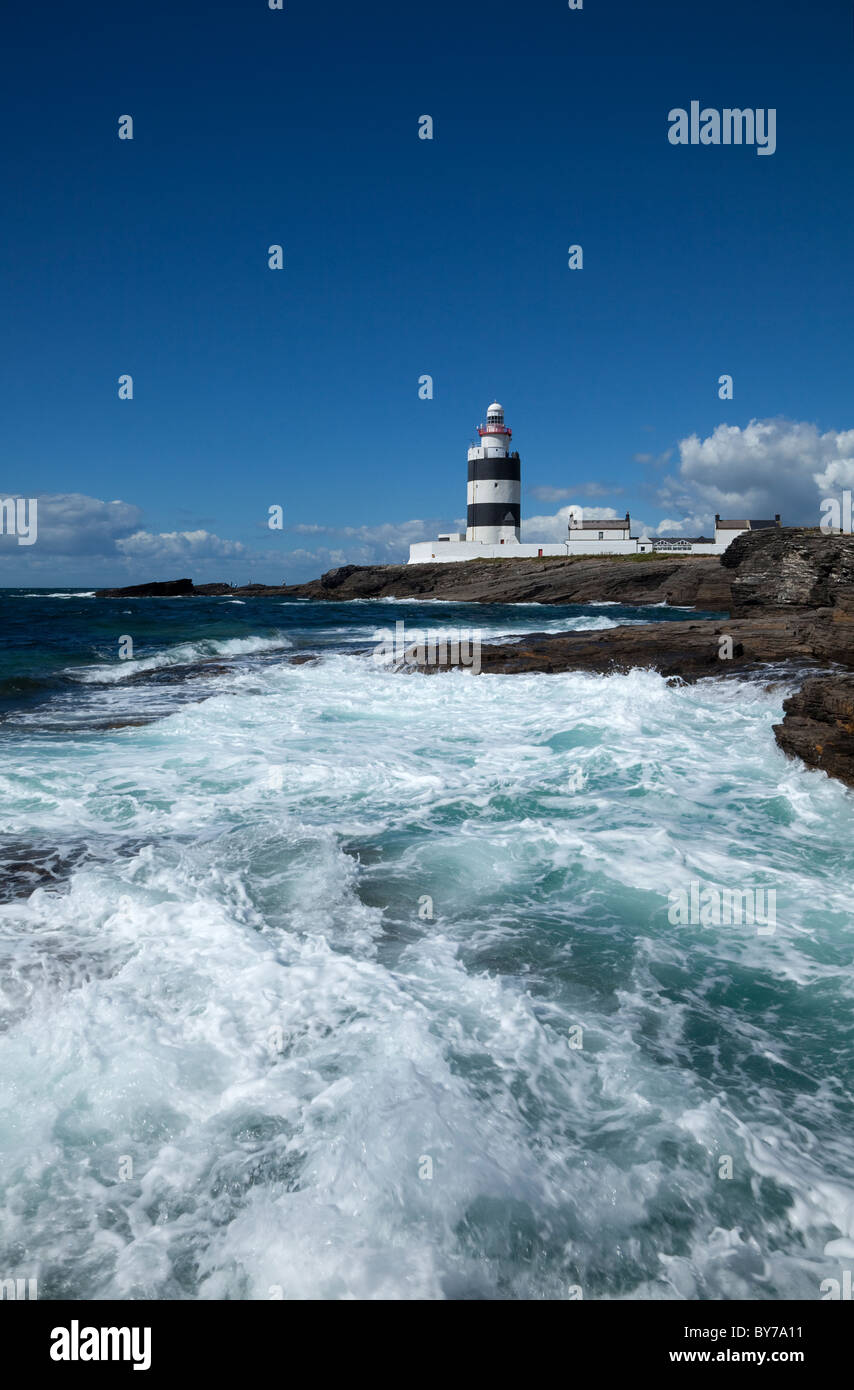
(330, 981)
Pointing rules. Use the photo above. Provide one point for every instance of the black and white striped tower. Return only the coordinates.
(494, 489)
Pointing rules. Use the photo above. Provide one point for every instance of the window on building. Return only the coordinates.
(601, 535)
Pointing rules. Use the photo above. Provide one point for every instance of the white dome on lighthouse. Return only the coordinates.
(495, 410)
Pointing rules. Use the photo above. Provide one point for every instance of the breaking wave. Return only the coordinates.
(301, 1010)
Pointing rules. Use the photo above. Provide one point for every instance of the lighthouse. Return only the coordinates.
(493, 519)
(494, 488)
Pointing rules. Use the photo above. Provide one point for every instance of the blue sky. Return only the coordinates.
(404, 256)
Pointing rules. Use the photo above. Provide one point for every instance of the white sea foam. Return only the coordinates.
(249, 1006)
(182, 654)
(491, 628)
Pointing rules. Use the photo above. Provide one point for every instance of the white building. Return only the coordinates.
(726, 531)
(603, 535)
(493, 517)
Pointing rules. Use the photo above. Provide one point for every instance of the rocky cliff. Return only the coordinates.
(796, 569)
(688, 650)
(684, 581)
(818, 725)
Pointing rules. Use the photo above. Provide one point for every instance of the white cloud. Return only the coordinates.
(69, 523)
(322, 558)
(656, 460)
(686, 526)
(384, 543)
(554, 528)
(391, 533)
(84, 540)
(558, 494)
(768, 466)
(170, 547)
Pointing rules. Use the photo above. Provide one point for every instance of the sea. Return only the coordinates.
(328, 979)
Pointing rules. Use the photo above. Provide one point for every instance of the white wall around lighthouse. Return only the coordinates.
(433, 552)
(428, 552)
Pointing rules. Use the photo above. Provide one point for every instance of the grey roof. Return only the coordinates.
(608, 523)
(689, 540)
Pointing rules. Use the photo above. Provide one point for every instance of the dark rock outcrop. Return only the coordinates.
(683, 581)
(818, 725)
(689, 650)
(794, 568)
(169, 588)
